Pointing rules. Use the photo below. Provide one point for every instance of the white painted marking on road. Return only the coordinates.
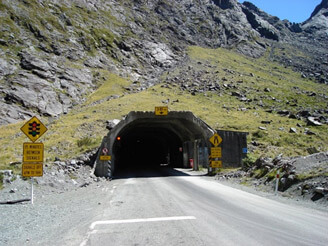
(109, 222)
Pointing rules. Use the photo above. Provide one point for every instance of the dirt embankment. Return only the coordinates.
(300, 178)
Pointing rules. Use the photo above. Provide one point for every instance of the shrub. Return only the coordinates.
(259, 134)
(249, 161)
(85, 141)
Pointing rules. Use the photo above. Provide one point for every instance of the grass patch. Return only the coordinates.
(249, 160)
(113, 85)
(310, 175)
(86, 141)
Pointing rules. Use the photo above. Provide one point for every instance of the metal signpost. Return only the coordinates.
(216, 152)
(33, 153)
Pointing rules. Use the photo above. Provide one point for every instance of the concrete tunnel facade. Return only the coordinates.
(144, 140)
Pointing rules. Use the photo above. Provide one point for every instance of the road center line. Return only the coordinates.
(109, 222)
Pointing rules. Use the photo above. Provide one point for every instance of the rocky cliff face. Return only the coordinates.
(53, 53)
(318, 22)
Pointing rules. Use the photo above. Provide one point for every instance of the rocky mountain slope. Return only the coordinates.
(54, 53)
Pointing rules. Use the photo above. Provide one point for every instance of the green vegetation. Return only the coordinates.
(249, 160)
(310, 175)
(259, 173)
(84, 127)
(85, 141)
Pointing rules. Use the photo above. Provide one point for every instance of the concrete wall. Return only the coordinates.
(234, 146)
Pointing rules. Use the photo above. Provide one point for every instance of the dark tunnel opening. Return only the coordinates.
(147, 148)
(145, 141)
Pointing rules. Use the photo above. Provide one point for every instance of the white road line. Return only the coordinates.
(111, 222)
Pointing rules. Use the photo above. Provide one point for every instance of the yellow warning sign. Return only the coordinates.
(216, 164)
(216, 152)
(34, 129)
(161, 110)
(105, 157)
(33, 152)
(32, 169)
(215, 139)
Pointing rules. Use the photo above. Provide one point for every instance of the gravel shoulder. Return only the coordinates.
(55, 218)
(62, 211)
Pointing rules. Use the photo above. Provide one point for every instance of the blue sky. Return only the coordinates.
(292, 10)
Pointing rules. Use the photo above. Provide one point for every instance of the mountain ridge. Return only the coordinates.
(50, 59)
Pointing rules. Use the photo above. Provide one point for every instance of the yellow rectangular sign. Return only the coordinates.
(105, 157)
(32, 169)
(216, 152)
(161, 110)
(216, 164)
(33, 152)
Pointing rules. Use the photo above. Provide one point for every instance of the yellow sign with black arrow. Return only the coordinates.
(216, 139)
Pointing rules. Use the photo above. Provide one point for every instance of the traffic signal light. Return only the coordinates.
(34, 129)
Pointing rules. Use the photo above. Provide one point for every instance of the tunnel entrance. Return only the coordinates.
(145, 141)
(151, 146)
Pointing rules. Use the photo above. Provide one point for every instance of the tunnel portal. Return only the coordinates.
(145, 140)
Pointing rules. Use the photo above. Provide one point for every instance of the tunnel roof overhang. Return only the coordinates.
(184, 124)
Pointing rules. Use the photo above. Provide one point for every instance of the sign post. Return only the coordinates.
(216, 152)
(277, 182)
(33, 153)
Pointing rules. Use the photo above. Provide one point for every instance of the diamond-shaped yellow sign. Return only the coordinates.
(215, 139)
(34, 129)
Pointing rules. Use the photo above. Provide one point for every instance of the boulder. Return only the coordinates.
(311, 121)
(29, 62)
(34, 93)
(293, 130)
(110, 124)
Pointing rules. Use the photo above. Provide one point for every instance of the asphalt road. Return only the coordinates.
(157, 209)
